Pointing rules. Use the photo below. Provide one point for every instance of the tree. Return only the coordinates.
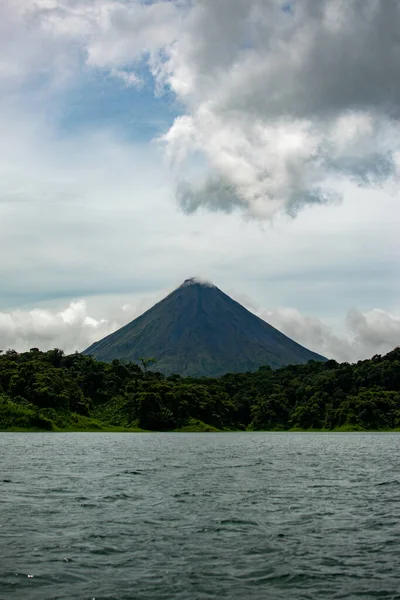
(147, 362)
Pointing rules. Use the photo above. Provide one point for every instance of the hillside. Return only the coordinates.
(198, 330)
(47, 390)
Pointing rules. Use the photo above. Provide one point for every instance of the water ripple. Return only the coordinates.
(166, 516)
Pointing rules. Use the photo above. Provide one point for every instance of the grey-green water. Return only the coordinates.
(165, 516)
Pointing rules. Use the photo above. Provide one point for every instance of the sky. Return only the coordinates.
(252, 143)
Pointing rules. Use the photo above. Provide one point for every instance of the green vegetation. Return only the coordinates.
(49, 391)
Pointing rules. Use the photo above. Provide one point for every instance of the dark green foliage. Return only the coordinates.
(47, 390)
(200, 331)
(21, 415)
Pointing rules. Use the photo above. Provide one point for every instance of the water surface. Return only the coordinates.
(199, 516)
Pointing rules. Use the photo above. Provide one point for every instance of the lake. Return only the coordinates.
(199, 516)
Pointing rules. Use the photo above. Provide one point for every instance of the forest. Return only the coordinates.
(55, 392)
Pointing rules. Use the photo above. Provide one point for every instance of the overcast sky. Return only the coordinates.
(253, 143)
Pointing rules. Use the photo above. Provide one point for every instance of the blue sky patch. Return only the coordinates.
(101, 100)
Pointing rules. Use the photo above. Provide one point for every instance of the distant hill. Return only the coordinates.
(197, 330)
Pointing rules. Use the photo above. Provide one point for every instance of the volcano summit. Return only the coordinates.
(198, 330)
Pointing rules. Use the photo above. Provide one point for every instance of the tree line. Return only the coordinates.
(50, 390)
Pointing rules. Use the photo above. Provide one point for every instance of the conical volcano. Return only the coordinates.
(198, 330)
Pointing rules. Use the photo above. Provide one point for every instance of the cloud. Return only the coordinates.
(366, 333)
(129, 78)
(374, 331)
(280, 104)
(73, 328)
(213, 194)
(33, 55)
(90, 214)
(279, 100)
(195, 280)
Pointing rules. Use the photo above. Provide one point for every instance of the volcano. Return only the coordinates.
(198, 330)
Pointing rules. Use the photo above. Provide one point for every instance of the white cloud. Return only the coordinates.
(366, 333)
(72, 328)
(374, 331)
(128, 77)
(363, 333)
(280, 104)
(90, 214)
(124, 32)
(312, 333)
(277, 102)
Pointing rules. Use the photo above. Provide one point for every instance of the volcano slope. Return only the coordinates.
(198, 330)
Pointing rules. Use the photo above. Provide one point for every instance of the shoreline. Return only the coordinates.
(111, 429)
